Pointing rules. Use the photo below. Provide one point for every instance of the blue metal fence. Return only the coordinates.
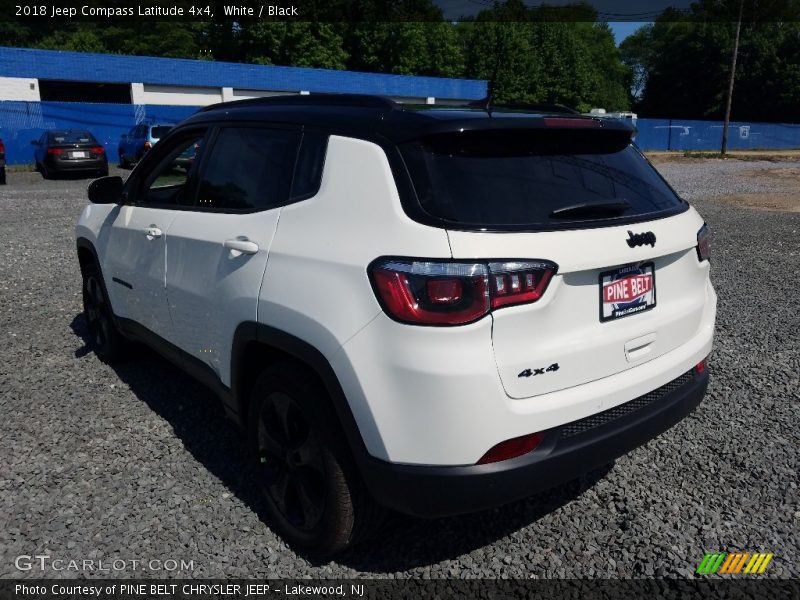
(21, 122)
(681, 135)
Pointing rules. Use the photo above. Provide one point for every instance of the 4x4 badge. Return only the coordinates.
(641, 239)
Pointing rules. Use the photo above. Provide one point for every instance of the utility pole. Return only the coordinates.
(729, 99)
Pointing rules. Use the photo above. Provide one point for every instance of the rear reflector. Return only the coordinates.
(700, 367)
(512, 448)
(426, 292)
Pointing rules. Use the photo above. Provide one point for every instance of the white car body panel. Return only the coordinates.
(203, 276)
(323, 245)
(139, 260)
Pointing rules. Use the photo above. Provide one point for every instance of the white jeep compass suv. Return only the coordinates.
(435, 310)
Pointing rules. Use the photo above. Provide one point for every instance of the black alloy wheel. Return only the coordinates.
(291, 466)
(104, 338)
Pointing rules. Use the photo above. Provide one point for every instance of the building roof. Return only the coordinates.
(115, 68)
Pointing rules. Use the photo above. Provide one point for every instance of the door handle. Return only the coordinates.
(153, 232)
(241, 245)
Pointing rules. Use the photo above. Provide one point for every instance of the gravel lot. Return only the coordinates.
(138, 463)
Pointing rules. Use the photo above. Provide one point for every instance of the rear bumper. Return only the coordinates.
(566, 452)
(89, 164)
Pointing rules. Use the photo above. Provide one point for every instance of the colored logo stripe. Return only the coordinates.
(733, 563)
(710, 563)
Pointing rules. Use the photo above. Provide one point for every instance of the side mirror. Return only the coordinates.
(124, 136)
(106, 190)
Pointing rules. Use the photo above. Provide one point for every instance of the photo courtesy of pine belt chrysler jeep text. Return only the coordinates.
(432, 310)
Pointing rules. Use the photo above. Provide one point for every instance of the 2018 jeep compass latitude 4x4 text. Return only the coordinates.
(435, 310)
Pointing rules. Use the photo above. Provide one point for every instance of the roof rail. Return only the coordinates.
(347, 100)
(488, 105)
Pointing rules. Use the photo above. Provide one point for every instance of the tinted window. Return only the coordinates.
(167, 183)
(72, 137)
(524, 178)
(310, 162)
(249, 169)
(159, 132)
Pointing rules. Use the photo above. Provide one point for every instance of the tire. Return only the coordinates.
(45, 173)
(103, 172)
(3, 176)
(315, 497)
(122, 162)
(105, 339)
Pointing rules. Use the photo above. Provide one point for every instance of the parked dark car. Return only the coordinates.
(2, 162)
(61, 151)
(138, 141)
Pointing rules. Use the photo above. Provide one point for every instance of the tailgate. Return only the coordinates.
(565, 339)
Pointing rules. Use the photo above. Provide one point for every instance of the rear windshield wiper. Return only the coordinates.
(592, 210)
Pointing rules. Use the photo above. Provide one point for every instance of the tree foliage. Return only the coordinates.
(681, 68)
(526, 54)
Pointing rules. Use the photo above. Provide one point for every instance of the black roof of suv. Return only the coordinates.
(369, 115)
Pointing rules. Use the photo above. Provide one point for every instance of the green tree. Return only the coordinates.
(295, 43)
(406, 48)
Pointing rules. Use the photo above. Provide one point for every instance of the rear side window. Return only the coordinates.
(310, 163)
(249, 169)
(535, 179)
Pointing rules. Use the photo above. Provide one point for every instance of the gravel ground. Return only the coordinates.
(137, 462)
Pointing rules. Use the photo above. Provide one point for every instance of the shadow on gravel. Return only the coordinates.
(198, 419)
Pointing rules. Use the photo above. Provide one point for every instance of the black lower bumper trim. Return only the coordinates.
(566, 452)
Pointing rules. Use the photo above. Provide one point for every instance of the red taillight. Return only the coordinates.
(2, 147)
(704, 243)
(429, 294)
(55, 151)
(700, 367)
(571, 122)
(98, 150)
(521, 284)
(512, 448)
(455, 293)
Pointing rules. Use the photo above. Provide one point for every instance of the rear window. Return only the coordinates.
(72, 137)
(536, 179)
(159, 132)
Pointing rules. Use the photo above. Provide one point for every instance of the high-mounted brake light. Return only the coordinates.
(455, 293)
(571, 122)
(704, 243)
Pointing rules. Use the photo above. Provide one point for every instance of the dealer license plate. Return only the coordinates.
(627, 291)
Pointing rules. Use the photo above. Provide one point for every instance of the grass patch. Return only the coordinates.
(691, 154)
(23, 168)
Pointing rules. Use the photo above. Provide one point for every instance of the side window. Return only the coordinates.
(249, 169)
(167, 183)
(310, 162)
